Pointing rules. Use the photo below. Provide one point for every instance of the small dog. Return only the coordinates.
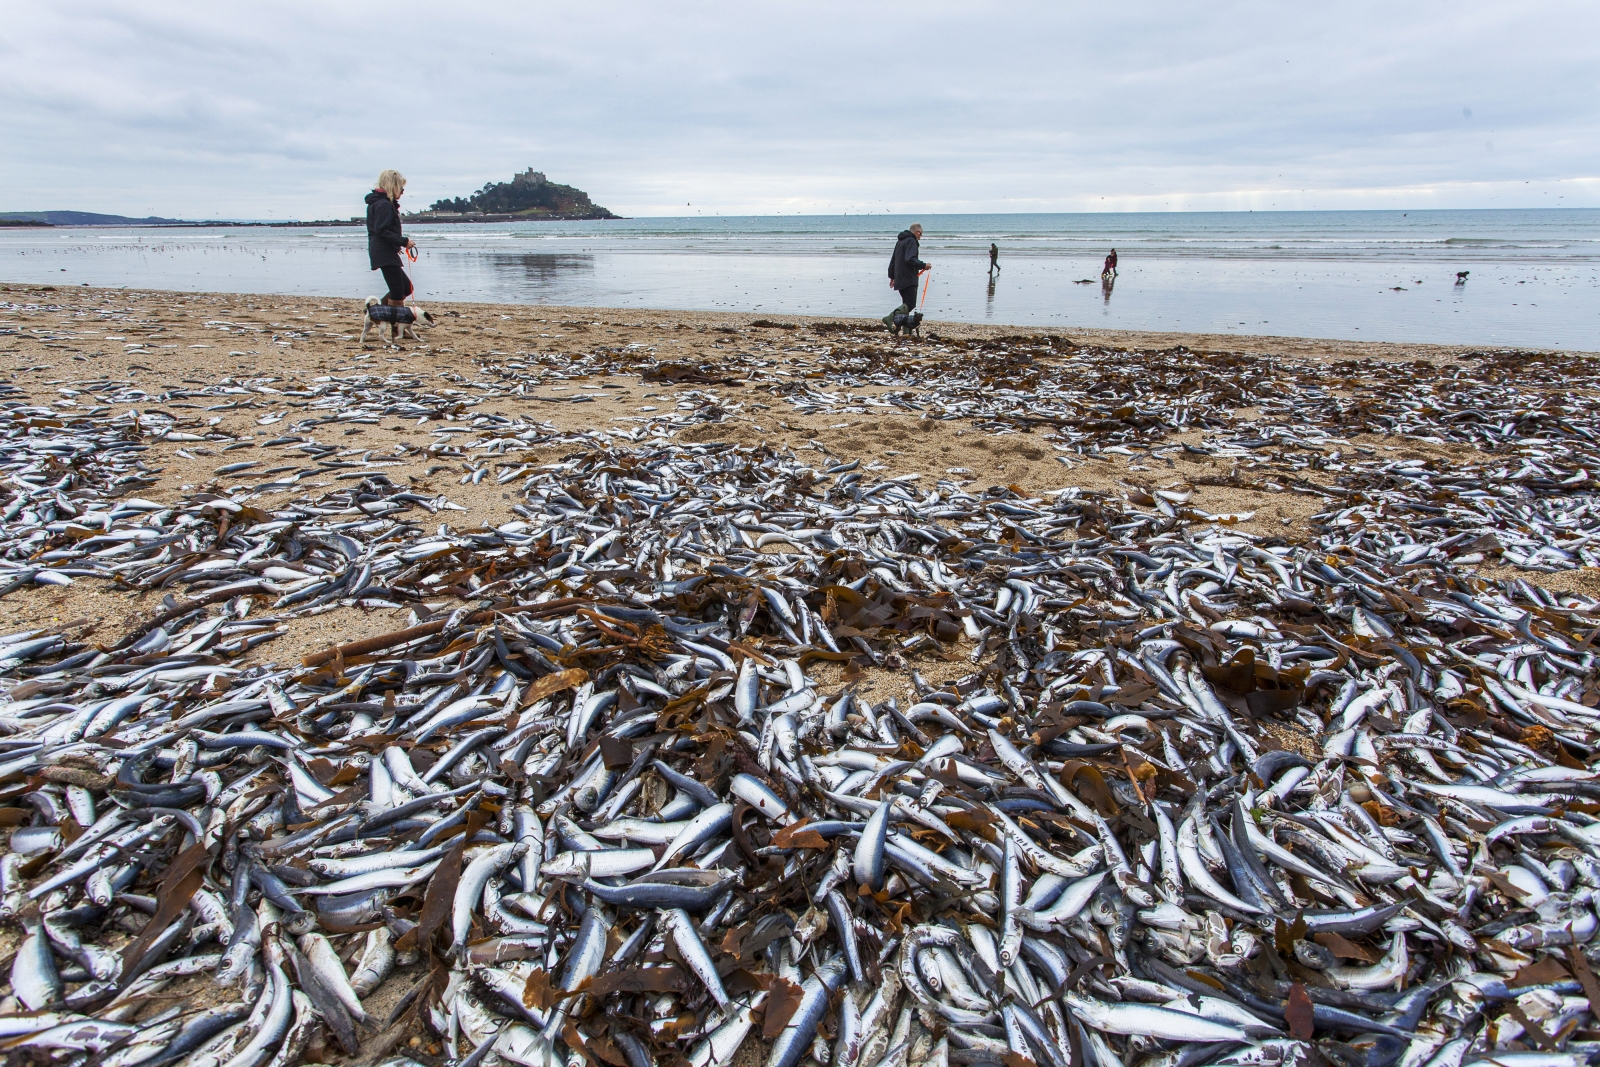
(401, 321)
(901, 321)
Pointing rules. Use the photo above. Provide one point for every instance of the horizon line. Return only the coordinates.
(353, 221)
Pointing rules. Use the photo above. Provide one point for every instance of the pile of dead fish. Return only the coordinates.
(1160, 792)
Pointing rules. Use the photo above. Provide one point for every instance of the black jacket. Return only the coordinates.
(384, 240)
(904, 264)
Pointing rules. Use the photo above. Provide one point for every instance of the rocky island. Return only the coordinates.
(529, 195)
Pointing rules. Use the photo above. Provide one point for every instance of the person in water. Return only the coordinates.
(904, 266)
(384, 239)
(994, 257)
(1110, 269)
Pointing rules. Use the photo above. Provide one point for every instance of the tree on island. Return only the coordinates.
(529, 193)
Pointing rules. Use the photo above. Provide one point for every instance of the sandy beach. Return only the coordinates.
(230, 403)
(575, 370)
(1180, 648)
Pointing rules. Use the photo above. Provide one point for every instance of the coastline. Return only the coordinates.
(222, 224)
(1352, 276)
(1202, 342)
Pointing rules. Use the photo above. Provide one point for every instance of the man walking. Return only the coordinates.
(903, 268)
(994, 257)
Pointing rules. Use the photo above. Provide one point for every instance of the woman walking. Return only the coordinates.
(384, 239)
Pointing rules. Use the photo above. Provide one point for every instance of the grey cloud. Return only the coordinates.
(209, 110)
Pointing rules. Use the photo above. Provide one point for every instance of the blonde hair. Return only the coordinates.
(393, 183)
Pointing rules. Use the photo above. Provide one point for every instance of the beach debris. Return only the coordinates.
(620, 792)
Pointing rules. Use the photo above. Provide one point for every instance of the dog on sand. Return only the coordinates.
(402, 322)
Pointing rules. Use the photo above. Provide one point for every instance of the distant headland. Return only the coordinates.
(529, 195)
(81, 218)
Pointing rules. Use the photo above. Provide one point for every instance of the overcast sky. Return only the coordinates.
(289, 109)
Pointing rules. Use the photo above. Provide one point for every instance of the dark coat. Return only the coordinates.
(384, 240)
(904, 264)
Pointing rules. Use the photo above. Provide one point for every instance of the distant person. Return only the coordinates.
(384, 239)
(994, 257)
(1110, 269)
(904, 266)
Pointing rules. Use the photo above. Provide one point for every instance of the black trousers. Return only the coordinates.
(399, 283)
(908, 296)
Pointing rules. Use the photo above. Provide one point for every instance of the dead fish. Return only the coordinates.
(633, 661)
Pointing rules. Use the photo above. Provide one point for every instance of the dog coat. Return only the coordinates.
(402, 316)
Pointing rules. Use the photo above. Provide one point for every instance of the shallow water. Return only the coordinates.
(1367, 275)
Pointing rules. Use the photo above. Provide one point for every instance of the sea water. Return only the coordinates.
(1533, 275)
